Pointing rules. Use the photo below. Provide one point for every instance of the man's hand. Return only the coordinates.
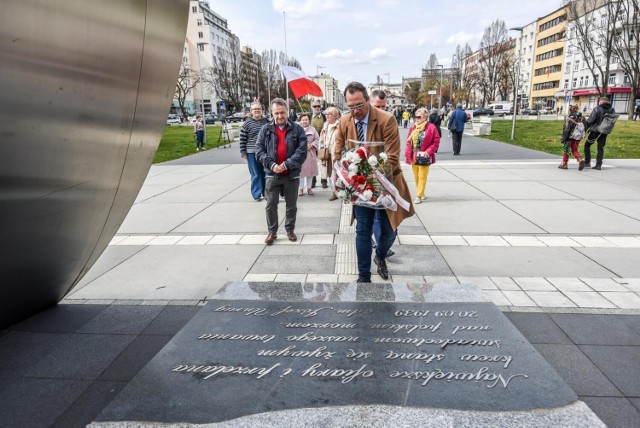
(278, 168)
(244, 157)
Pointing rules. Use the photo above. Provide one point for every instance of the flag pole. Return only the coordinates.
(284, 23)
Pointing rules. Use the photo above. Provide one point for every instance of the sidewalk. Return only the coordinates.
(531, 235)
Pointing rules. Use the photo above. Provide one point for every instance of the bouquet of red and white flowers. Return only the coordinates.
(363, 178)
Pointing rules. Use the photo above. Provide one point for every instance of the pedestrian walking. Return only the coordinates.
(598, 133)
(456, 126)
(198, 130)
(248, 136)
(405, 118)
(420, 150)
(572, 133)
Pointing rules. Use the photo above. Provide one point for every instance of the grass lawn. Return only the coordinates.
(544, 135)
(179, 141)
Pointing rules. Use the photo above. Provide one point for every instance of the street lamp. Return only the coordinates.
(515, 90)
(441, 81)
(201, 46)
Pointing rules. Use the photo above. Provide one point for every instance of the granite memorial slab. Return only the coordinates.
(248, 357)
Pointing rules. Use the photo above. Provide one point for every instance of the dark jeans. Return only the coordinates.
(257, 176)
(199, 139)
(594, 137)
(364, 228)
(274, 186)
(456, 140)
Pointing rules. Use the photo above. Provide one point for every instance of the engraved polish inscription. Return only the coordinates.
(391, 342)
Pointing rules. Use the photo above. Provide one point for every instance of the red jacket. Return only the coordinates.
(430, 144)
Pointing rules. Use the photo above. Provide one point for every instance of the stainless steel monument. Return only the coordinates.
(86, 86)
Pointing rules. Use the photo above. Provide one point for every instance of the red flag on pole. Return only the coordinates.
(300, 84)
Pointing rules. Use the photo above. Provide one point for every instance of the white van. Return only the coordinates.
(500, 108)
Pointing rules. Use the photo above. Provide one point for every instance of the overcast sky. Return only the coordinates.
(359, 39)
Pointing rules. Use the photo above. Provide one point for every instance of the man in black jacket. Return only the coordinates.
(595, 119)
(281, 148)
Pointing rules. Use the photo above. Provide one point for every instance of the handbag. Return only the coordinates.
(323, 154)
(423, 160)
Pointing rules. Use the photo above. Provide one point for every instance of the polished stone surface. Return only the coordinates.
(283, 346)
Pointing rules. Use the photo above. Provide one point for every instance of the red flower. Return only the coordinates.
(359, 179)
(362, 153)
(369, 187)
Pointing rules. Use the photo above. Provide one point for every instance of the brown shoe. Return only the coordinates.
(333, 197)
(309, 191)
(270, 238)
(292, 236)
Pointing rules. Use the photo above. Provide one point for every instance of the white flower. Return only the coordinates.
(356, 159)
(353, 167)
(373, 161)
(342, 194)
(368, 194)
(383, 156)
(352, 174)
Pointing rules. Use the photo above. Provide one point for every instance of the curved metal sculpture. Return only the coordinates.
(86, 87)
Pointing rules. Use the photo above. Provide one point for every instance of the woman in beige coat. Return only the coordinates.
(328, 142)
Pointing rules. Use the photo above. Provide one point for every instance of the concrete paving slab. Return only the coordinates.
(228, 240)
(523, 241)
(558, 241)
(538, 328)
(628, 208)
(324, 278)
(177, 177)
(159, 218)
(549, 173)
(136, 240)
(624, 241)
(112, 256)
(191, 193)
(232, 175)
(293, 265)
(195, 240)
(529, 190)
(497, 297)
(631, 284)
(592, 241)
(534, 284)
(623, 300)
(623, 262)
(259, 277)
(485, 241)
(589, 299)
(165, 240)
(408, 261)
(553, 299)
(222, 217)
(482, 282)
(604, 284)
(320, 239)
(150, 190)
(505, 283)
(173, 272)
(617, 363)
(599, 220)
(487, 173)
(456, 240)
(613, 411)
(518, 298)
(569, 284)
(490, 217)
(451, 191)
(597, 330)
(520, 261)
(415, 240)
(581, 374)
(598, 190)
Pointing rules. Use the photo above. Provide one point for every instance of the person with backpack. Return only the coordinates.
(599, 125)
(572, 133)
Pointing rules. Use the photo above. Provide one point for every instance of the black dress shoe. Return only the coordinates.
(390, 253)
(382, 267)
(361, 280)
(598, 167)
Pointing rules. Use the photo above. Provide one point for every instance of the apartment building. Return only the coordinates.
(548, 59)
(251, 64)
(525, 44)
(332, 94)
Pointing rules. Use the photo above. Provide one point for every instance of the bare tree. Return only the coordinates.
(507, 70)
(227, 75)
(494, 46)
(590, 34)
(187, 81)
(626, 47)
(412, 92)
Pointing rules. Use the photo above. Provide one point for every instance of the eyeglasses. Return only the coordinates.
(357, 106)
(419, 117)
(316, 106)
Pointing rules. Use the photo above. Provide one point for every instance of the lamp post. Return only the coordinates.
(516, 89)
(201, 46)
(441, 81)
(318, 68)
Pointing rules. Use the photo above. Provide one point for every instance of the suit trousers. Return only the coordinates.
(456, 139)
(274, 186)
(364, 228)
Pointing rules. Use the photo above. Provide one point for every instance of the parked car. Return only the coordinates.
(210, 119)
(530, 111)
(235, 117)
(173, 119)
(483, 112)
(546, 110)
(500, 108)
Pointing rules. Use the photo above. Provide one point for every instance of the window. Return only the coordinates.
(576, 66)
(200, 35)
(627, 81)
(199, 22)
(194, 9)
(567, 67)
(566, 84)
(201, 47)
(612, 78)
(596, 78)
(581, 81)
(575, 82)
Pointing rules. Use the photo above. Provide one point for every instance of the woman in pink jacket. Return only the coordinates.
(423, 140)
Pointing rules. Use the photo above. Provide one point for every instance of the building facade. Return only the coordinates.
(332, 96)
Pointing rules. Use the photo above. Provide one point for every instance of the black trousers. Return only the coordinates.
(595, 137)
(456, 139)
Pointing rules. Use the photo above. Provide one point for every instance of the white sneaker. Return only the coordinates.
(417, 200)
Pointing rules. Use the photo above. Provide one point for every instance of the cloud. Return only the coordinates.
(461, 37)
(336, 53)
(306, 8)
(378, 53)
